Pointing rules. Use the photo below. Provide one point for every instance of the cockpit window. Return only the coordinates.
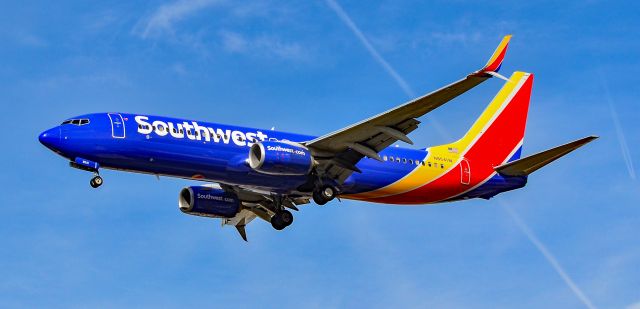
(77, 122)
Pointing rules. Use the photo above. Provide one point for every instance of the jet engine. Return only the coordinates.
(208, 202)
(280, 158)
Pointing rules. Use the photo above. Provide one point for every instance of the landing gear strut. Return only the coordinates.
(324, 194)
(282, 217)
(96, 181)
(89, 166)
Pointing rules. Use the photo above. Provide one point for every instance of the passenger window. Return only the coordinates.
(441, 165)
(385, 158)
(429, 164)
(422, 163)
(404, 160)
(411, 161)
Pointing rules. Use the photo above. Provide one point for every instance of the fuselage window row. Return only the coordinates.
(410, 161)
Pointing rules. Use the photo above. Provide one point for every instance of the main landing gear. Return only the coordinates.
(324, 194)
(282, 217)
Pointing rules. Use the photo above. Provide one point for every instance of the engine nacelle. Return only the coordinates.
(208, 202)
(280, 158)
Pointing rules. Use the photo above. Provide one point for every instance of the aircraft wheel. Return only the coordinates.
(281, 219)
(96, 181)
(328, 193)
(324, 195)
(317, 198)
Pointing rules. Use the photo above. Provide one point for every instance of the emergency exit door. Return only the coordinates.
(465, 172)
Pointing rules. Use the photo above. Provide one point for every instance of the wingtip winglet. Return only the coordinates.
(495, 62)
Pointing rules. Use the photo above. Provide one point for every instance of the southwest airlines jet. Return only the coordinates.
(254, 173)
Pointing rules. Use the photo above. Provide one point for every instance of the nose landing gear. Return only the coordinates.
(89, 166)
(96, 181)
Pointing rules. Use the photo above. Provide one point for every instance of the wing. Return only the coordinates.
(256, 204)
(339, 152)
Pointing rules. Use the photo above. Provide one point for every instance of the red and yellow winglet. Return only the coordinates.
(494, 63)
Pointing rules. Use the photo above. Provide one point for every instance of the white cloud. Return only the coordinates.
(265, 46)
(634, 306)
(233, 42)
(164, 17)
(162, 24)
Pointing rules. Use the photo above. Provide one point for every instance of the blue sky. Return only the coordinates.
(299, 67)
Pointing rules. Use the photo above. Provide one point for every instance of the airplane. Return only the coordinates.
(256, 173)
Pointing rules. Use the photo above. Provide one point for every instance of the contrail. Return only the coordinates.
(548, 256)
(624, 148)
(385, 65)
(374, 53)
(409, 92)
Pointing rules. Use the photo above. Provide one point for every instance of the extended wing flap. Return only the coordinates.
(530, 164)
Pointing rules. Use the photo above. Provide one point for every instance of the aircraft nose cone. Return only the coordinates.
(50, 138)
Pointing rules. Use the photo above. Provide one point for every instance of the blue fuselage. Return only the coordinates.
(211, 152)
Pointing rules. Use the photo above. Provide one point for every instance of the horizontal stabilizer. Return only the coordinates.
(530, 164)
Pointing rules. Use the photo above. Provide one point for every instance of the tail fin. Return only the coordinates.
(496, 136)
(532, 163)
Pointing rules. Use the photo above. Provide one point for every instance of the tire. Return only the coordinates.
(96, 182)
(286, 217)
(318, 199)
(276, 223)
(281, 220)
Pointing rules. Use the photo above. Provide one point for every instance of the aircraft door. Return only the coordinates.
(117, 126)
(465, 172)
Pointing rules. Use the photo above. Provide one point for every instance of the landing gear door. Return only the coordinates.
(465, 172)
(117, 126)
